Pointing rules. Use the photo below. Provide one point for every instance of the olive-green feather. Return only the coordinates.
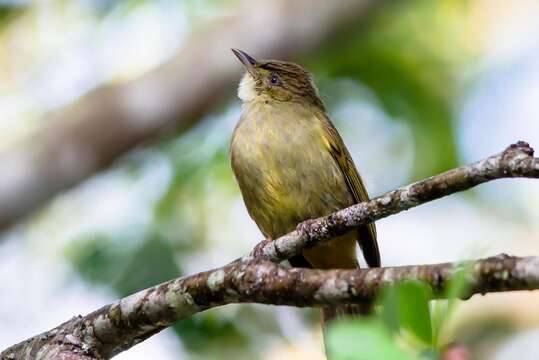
(367, 233)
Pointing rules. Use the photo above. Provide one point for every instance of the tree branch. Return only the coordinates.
(121, 325)
(515, 161)
(253, 279)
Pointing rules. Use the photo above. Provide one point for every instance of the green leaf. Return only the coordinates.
(406, 306)
(459, 284)
(458, 287)
(362, 339)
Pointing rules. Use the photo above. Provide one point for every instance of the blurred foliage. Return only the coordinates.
(397, 55)
(197, 156)
(8, 12)
(200, 167)
(107, 261)
(363, 340)
(196, 11)
(196, 330)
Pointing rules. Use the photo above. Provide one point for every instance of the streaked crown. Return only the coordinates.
(277, 80)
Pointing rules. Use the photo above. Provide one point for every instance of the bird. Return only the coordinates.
(291, 166)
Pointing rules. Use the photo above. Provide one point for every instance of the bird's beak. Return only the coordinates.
(248, 62)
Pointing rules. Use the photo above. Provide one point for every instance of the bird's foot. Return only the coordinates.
(308, 229)
(258, 250)
(305, 228)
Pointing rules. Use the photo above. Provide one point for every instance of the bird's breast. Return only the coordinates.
(284, 170)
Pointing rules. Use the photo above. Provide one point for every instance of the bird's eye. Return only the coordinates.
(275, 79)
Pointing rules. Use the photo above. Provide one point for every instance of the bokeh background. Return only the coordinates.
(415, 88)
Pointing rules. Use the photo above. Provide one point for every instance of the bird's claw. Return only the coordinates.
(258, 250)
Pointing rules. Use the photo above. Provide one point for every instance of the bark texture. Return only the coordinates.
(258, 278)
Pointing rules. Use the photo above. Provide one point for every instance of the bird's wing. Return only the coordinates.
(335, 145)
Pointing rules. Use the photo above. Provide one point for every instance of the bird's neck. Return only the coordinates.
(264, 101)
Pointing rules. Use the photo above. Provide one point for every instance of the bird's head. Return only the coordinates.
(277, 80)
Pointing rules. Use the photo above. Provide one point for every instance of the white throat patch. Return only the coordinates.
(247, 88)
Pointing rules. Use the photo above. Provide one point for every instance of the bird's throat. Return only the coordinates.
(247, 88)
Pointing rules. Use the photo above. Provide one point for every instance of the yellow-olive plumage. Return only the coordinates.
(291, 163)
